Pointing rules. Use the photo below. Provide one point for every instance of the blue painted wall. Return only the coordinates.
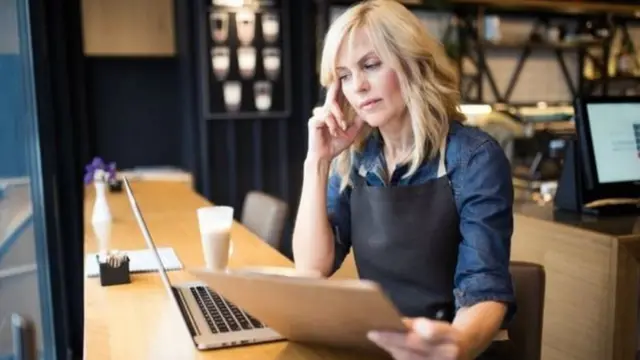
(12, 150)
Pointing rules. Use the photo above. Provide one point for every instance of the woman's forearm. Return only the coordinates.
(313, 246)
(478, 325)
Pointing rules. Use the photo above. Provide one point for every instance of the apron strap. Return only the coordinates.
(442, 169)
(359, 179)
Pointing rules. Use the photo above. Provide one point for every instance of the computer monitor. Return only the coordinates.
(610, 132)
(605, 160)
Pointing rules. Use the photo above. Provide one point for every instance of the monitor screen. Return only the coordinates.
(615, 135)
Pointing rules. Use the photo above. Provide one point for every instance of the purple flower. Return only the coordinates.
(97, 164)
(88, 177)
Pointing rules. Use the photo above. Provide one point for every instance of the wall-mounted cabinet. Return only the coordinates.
(128, 27)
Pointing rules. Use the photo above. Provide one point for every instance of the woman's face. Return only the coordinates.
(370, 86)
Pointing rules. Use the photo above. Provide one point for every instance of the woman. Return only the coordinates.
(424, 202)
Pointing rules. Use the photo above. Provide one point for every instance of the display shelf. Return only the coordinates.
(610, 70)
(556, 6)
(244, 60)
(586, 44)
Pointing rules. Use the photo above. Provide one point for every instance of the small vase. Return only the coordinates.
(101, 218)
(101, 211)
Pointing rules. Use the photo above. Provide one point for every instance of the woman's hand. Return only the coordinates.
(329, 133)
(426, 340)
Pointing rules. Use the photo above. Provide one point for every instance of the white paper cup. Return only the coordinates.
(270, 26)
(232, 93)
(245, 26)
(247, 61)
(262, 95)
(215, 233)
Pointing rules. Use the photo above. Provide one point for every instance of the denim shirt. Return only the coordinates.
(480, 176)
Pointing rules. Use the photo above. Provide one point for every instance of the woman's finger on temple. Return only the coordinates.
(329, 116)
(338, 115)
(333, 126)
(332, 92)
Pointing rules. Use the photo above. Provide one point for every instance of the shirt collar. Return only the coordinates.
(370, 158)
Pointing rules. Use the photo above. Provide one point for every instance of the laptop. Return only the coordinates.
(212, 321)
(336, 313)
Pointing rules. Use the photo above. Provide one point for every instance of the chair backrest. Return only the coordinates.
(265, 216)
(525, 330)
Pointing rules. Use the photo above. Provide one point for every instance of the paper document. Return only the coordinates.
(139, 261)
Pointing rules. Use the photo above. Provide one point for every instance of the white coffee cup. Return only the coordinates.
(219, 24)
(220, 62)
(245, 26)
(271, 62)
(215, 233)
(262, 95)
(232, 93)
(270, 26)
(247, 61)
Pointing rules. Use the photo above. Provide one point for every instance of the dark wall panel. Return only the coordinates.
(304, 41)
(267, 154)
(221, 162)
(134, 105)
(246, 171)
(271, 157)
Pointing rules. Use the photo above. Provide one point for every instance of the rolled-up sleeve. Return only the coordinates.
(339, 213)
(485, 202)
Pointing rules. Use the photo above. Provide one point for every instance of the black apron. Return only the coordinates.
(406, 239)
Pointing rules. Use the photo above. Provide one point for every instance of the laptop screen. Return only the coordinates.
(147, 235)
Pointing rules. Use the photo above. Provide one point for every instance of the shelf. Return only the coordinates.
(247, 115)
(476, 77)
(566, 7)
(234, 92)
(553, 6)
(615, 78)
(477, 49)
(577, 45)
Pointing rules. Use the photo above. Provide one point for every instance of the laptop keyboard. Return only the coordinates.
(221, 315)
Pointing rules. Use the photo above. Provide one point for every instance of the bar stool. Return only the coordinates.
(265, 216)
(525, 330)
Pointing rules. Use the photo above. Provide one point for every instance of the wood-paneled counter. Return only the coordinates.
(137, 320)
(591, 304)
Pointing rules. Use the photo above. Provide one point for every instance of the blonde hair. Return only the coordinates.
(428, 80)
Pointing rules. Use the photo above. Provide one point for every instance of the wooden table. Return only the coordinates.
(137, 320)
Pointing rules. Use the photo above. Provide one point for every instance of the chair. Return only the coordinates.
(265, 216)
(525, 329)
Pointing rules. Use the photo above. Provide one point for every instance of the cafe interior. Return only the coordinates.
(206, 102)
